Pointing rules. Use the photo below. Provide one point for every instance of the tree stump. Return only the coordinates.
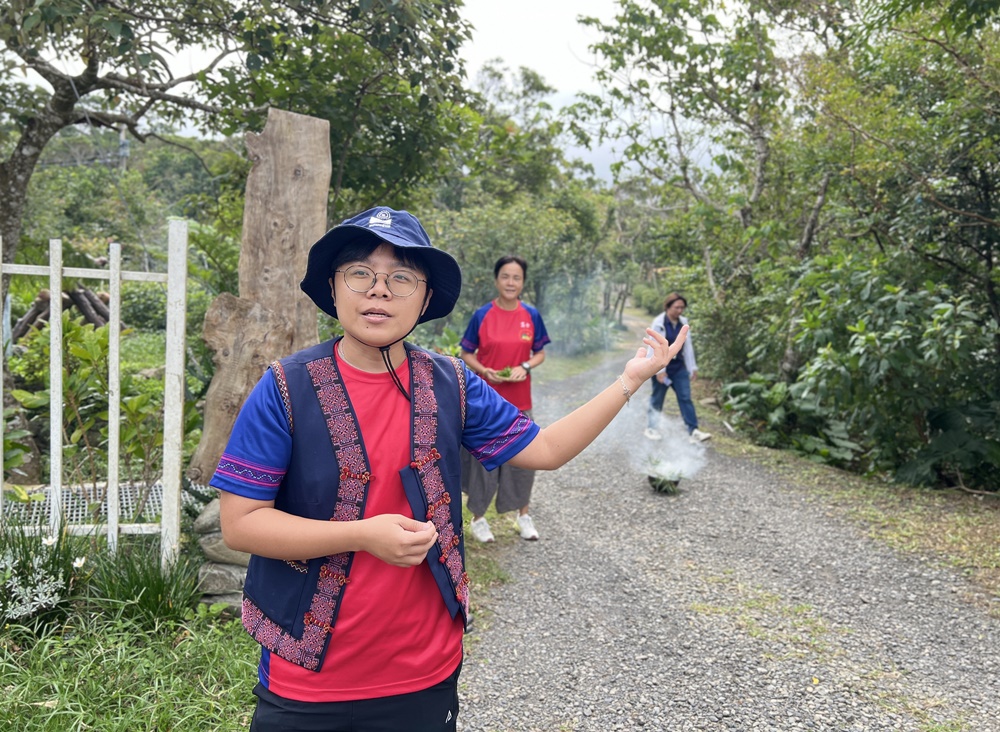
(244, 337)
(284, 213)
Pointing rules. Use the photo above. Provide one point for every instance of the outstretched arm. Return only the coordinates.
(563, 440)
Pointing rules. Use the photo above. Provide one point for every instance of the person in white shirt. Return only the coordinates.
(679, 373)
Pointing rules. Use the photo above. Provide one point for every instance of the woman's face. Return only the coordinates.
(676, 310)
(377, 316)
(510, 281)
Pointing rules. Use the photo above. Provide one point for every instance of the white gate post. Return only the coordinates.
(3, 421)
(173, 393)
(112, 493)
(55, 386)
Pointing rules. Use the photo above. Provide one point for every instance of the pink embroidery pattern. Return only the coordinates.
(426, 461)
(279, 376)
(355, 477)
(460, 372)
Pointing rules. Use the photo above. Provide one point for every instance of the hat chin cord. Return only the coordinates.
(384, 350)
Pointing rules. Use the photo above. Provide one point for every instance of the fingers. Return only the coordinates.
(414, 525)
(399, 540)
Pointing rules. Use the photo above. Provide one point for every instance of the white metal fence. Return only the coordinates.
(173, 391)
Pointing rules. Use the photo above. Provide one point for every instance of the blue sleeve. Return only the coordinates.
(256, 457)
(470, 341)
(541, 335)
(495, 430)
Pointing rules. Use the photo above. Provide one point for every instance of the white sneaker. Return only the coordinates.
(527, 527)
(480, 529)
(698, 436)
(651, 434)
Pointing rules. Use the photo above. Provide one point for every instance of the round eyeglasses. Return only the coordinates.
(401, 283)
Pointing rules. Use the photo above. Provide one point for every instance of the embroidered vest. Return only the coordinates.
(290, 608)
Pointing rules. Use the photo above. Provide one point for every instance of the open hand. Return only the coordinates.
(653, 356)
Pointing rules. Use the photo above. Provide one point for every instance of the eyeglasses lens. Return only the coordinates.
(400, 283)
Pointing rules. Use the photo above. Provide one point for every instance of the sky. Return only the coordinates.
(544, 36)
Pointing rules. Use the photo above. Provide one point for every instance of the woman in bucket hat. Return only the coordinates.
(342, 480)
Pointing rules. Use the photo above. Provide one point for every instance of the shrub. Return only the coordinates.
(133, 584)
(14, 450)
(144, 305)
(779, 415)
(40, 573)
(85, 396)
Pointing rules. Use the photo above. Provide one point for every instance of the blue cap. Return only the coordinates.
(399, 228)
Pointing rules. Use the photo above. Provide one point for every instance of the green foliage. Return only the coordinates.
(916, 374)
(144, 305)
(133, 584)
(85, 399)
(698, 66)
(648, 298)
(447, 341)
(395, 77)
(88, 205)
(963, 447)
(778, 415)
(961, 16)
(879, 376)
(516, 150)
(14, 447)
(662, 485)
(213, 262)
(40, 574)
(108, 672)
(85, 389)
(393, 116)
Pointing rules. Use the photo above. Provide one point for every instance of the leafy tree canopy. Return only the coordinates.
(111, 64)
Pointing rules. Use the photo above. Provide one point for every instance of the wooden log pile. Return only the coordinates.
(92, 305)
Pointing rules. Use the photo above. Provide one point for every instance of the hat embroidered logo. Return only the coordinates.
(383, 219)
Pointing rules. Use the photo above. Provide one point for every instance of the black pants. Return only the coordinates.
(431, 710)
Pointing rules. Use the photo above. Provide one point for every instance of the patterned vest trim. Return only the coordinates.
(423, 482)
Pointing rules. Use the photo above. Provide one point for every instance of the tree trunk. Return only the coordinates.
(284, 213)
(244, 337)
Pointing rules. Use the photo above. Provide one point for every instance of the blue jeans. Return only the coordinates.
(681, 383)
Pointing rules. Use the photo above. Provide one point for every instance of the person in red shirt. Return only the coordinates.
(339, 478)
(505, 333)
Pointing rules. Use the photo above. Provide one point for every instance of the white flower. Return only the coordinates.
(79, 562)
(49, 540)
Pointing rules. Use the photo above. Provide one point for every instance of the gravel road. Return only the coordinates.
(736, 605)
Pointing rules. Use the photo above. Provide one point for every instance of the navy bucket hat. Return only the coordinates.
(399, 228)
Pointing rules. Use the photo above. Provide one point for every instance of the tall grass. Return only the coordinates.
(133, 584)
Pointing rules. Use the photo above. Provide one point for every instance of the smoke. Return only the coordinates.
(674, 457)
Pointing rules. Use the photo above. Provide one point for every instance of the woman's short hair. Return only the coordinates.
(671, 299)
(507, 259)
(360, 249)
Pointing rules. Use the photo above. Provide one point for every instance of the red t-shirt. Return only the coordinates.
(505, 339)
(394, 634)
